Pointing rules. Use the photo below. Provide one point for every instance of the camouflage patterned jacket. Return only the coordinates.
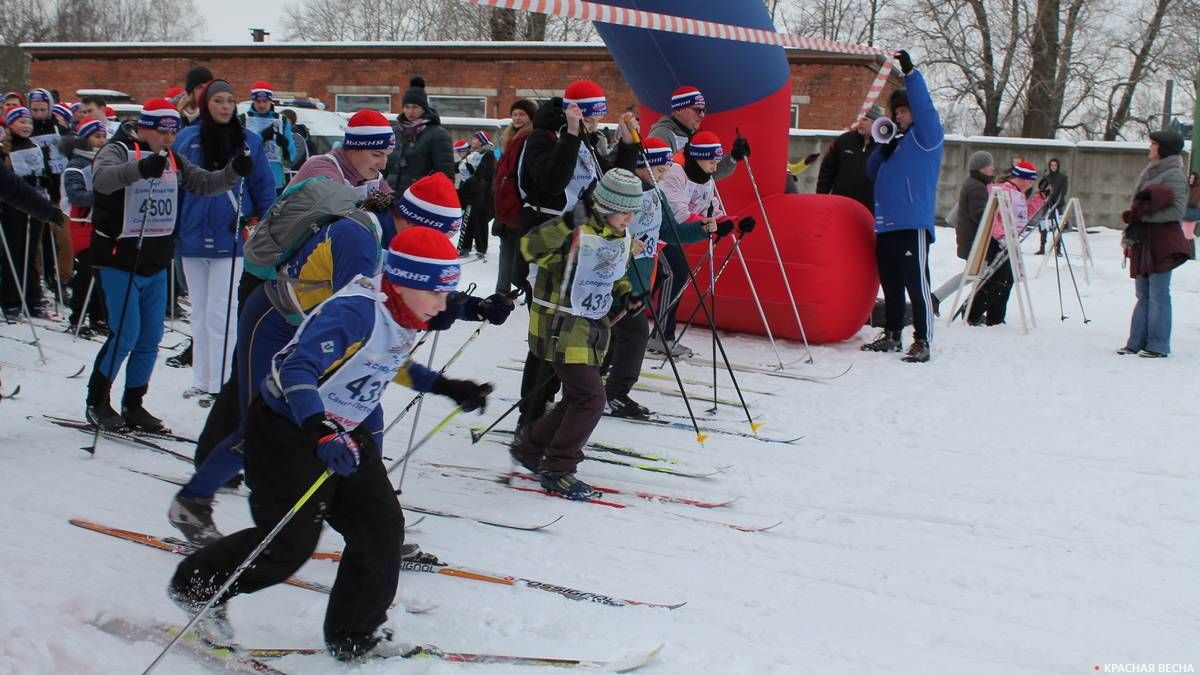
(555, 334)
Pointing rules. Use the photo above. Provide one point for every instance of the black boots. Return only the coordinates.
(135, 415)
(99, 408)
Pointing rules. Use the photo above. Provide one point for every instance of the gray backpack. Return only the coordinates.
(299, 213)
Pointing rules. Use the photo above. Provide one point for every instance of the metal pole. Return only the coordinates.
(24, 306)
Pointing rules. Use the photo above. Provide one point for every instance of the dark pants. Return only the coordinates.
(629, 338)
(84, 276)
(510, 251)
(474, 231)
(226, 413)
(903, 263)
(991, 301)
(539, 384)
(20, 232)
(672, 278)
(555, 441)
(281, 466)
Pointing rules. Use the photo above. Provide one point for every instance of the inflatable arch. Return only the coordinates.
(827, 243)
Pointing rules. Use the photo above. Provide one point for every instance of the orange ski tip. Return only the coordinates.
(755, 426)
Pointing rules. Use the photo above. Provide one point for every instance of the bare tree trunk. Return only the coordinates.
(1041, 108)
(1141, 60)
(503, 23)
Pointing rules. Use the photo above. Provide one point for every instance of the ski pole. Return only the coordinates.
(114, 339)
(787, 284)
(432, 432)
(1071, 271)
(712, 286)
(237, 223)
(670, 219)
(24, 306)
(757, 303)
(412, 432)
(287, 517)
(57, 272)
(477, 434)
(87, 299)
(703, 295)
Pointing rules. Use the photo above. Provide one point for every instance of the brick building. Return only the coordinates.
(464, 79)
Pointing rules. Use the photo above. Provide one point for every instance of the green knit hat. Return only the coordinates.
(618, 192)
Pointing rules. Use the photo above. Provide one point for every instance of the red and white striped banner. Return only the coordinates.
(633, 18)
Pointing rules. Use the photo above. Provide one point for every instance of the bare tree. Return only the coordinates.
(1147, 51)
(840, 20)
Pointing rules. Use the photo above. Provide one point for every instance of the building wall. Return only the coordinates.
(828, 89)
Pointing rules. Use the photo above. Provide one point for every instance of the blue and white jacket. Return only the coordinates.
(206, 224)
(906, 182)
(285, 135)
(341, 359)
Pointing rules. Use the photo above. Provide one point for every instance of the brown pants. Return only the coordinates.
(555, 440)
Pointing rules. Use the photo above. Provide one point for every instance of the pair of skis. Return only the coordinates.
(233, 658)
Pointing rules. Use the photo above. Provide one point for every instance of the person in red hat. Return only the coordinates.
(476, 195)
(275, 130)
(28, 160)
(173, 94)
(78, 197)
(319, 411)
(137, 180)
(991, 301)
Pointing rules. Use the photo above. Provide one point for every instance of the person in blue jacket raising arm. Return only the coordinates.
(905, 171)
(320, 409)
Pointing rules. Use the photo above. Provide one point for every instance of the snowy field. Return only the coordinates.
(1021, 504)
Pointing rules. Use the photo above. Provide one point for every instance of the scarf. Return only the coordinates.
(400, 311)
(410, 130)
(1155, 168)
(694, 173)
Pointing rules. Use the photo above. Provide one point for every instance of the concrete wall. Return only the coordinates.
(1102, 175)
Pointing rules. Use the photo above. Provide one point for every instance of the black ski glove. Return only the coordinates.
(746, 225)
(888, 148)
(906, 64)
(724, 227)
(494, 309)
(740, 149)
(467, 394)
(243, 165)
(152, 166)
(268, 134)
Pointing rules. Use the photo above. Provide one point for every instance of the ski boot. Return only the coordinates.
(181, 360)
(567, 485)
(412, 553)
(627, 408)
(918, 352)
(214, 627)
(99, 409)
(138, 417)
(193, 518)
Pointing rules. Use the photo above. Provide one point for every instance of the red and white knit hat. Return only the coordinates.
(16, 112)
(420, 258)
(174, 93)
(656, 152)
(705, 145)
(432, 202)
(369, 130)
(159, 114)
(588, 96)
(483, 137)
(686, 97)
(64, 112)
(461, 145)
(88, 126)
(1024, 170)
(261, 91)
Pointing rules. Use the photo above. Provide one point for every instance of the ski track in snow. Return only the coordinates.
(1021, 504)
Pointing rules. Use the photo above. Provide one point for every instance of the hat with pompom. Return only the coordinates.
(261, 91)
(588, 96)
(656, 152)
(421, 258)
(159, 114)
(1024, 170)
(369, 130)
(705, 145)
(88, 126)
(686, 97)
(416, 93)
(433, 202)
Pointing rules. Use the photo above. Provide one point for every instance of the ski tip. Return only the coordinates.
(700, 438)
(78, 372)
(755, 426)
(635, 661)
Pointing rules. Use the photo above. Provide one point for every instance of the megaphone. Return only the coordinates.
(882, 130)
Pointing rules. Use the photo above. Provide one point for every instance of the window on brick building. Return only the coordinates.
(354, 102)
(459, 106)
(795, 115)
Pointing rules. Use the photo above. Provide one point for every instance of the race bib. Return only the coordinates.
(28, 162)
(57, 162)
(151, 206)
(586, 173)
(599, 264)
(645, 227)
(271, 148)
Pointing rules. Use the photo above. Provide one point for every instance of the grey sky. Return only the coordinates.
(231, 20)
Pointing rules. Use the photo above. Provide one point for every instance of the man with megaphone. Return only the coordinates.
(905, 167)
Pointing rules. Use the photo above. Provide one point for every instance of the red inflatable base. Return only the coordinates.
(828, 248)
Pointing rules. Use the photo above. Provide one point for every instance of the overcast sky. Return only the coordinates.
(231, 20)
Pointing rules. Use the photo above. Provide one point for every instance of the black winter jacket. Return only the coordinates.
(972, 199)
(432, 150)
(844, 169)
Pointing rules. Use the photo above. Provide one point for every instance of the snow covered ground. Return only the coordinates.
(1021, 504)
